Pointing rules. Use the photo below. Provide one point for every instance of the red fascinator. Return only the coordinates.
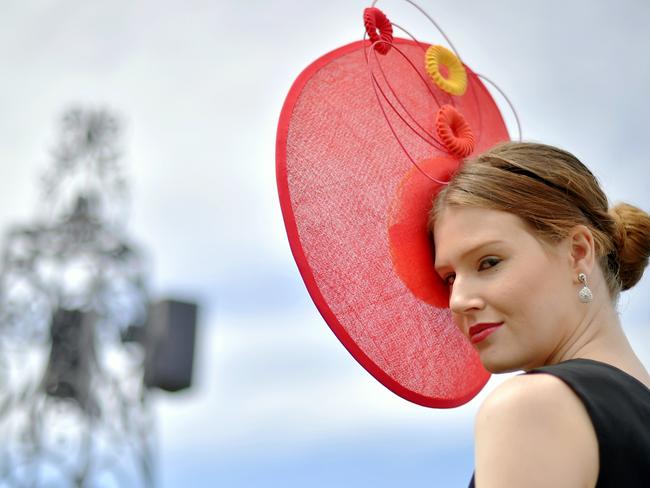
(369, 133)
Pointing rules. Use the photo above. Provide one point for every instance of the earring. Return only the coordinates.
(584, 294)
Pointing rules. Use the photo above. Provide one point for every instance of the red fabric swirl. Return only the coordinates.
(454, 131)
(375, 20)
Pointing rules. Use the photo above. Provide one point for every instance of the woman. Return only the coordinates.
(535, 261)
(527, 265)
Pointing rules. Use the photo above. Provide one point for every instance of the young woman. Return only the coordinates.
(527, 266)
(535, 259)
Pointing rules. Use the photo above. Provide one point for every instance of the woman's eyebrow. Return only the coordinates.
(471, 250)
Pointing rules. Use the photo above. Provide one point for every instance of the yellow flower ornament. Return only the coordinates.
(456, 81)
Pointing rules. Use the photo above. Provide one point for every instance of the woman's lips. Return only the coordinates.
(479, 332)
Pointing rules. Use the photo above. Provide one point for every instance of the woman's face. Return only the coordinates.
(499, 274)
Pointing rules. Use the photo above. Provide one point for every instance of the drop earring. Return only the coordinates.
(584, 294)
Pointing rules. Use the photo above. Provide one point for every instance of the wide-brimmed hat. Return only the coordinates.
(369, 133)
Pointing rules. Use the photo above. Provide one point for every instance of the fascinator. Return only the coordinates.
(368, 135)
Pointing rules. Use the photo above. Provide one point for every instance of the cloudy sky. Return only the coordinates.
(277, 401)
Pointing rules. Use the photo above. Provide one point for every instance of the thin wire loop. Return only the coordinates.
(435, 142)
(453, 48)
(392, 129)
(377, 89)
(449, 97)
(512, 107)
(435, 24)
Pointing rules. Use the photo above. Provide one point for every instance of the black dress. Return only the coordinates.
(619, 407)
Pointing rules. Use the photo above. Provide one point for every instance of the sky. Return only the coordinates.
(198, 85)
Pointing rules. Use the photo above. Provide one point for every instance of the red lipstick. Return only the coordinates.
(478, 332)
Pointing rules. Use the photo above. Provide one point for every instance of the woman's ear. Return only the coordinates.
(583, 249)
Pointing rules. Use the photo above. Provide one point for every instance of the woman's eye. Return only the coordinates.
(449, 279)
(488, 263)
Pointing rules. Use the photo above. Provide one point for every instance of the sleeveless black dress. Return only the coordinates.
(619, 407)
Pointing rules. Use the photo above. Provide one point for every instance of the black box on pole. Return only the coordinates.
(169, 345)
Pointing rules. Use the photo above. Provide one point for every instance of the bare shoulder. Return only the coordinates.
(539, 393)
(533, 431)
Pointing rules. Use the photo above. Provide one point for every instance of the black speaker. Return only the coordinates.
(169, 345)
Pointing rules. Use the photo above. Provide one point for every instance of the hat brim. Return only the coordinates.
(341, 176)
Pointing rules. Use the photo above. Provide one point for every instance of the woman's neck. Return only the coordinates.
(600, 337)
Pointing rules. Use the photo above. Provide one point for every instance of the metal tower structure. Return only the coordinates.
(78, 348)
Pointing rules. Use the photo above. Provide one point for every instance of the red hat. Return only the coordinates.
(369, 133)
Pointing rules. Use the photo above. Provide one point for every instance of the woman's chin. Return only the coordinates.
(496, 365)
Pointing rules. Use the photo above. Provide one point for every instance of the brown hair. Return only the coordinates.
(553, 191)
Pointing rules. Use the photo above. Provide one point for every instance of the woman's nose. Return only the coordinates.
(464, 297)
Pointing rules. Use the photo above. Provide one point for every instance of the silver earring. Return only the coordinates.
(584, 294)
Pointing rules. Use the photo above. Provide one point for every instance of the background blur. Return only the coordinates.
(277, 401)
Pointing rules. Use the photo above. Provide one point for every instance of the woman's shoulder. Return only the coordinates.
(534, 428)
(532, 390)
(541, 397)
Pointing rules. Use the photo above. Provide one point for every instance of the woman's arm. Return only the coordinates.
(533, 431)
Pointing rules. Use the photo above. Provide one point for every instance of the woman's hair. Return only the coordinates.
(553, 191)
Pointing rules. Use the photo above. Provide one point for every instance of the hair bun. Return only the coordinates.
(632, 241)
